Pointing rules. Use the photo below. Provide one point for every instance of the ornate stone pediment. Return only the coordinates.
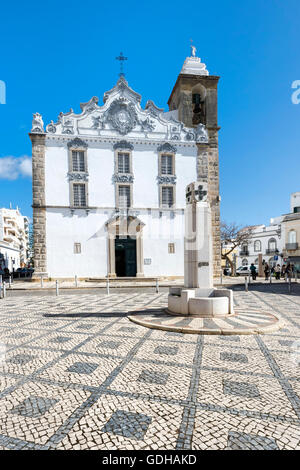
(77, 143)
(122, 116)
(78, 176)
(117, 178)
(166, 147)
(123, 145)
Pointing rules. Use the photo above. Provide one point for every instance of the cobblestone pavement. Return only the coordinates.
(77, 374)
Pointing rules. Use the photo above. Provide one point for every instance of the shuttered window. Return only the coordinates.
(124, 196)
(79, 195)
(167, 196)
(167, 165)
(123, 163)
(78, 163)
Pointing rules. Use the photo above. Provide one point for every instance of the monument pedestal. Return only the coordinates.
(198, 297)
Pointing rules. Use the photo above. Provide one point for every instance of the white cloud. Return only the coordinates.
(12, 168)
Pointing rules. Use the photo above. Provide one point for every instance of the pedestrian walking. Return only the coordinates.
(277, 272)
(267, 271)
(253, 271)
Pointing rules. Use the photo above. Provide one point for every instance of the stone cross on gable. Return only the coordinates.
(121, 59)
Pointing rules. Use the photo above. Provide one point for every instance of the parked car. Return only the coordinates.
(243, 271)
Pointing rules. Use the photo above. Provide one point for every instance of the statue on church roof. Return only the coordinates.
(37, 123)
(193, 48)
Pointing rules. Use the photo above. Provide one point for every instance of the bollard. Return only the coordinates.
(57, 287)
(249, 279)
(270, 278)
(9, 282)
(246, 284)
(296, 276)
(290, 285)
(76, 281)
(221, 277)
(4, 290)
(107, 286)
(42, 281)
(156, 286)
(1, 297)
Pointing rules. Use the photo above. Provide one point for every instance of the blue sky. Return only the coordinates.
(58, 54)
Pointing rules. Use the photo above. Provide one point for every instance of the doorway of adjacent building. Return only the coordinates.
(125, 255)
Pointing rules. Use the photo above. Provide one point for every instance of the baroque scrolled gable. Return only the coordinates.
(120, 115)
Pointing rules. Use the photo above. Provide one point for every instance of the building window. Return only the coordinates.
(124, 196)
(296, 209)
(171, 248)
(244, 262)
(79, 195)
(257, 245)
(77, 248)
(292, 236)
(78, 161)
(123, 162)
(272, 244)
(166, 164)
(167, 196)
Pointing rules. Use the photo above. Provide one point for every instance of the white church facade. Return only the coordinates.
(109, 188)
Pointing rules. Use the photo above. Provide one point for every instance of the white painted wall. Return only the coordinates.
(64, 229)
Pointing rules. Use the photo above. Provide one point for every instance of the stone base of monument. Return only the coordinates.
(199, 302)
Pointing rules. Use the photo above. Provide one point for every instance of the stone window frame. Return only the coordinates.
(254, 246)
(79, 148)
(171, 248)
(161, 186)
(70, 159)
(72, 205)
(170, 154)
(117, 185)
(116, 161)
(77, 248)
(292, 231)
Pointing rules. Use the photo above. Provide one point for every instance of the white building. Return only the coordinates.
(265, 240)
(13, 239)
(109, 186)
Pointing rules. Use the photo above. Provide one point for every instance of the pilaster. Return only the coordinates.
(38, 199)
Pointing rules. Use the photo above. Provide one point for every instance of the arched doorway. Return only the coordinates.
(125, 246)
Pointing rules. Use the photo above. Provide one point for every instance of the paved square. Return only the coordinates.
(77, 374)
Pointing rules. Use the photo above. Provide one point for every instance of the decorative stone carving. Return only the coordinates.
(117, 178)
(78, 176)
(148, 125)
(166, 147)
(201, 133)
(51, 128)
(77, 143)
(90, 105)
(37, 124)
(122, 116)
(153, 109)
(166, 179)
(98, 122)
(123, 145)
(190, 135)
(122, 88)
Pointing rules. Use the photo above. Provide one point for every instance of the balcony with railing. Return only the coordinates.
(244, 252)
(291, 246)
(272, 251)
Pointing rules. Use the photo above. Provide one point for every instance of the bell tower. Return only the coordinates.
(195, 97)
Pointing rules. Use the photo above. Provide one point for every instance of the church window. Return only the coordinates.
(167, 196)
(167, 164)
(171, 248)
(77, 248)
(123, 162)
(124, 199)
(79, 195)
(78, 161)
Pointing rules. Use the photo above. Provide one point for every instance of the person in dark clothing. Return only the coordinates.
(253, 271)
(267, 271)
